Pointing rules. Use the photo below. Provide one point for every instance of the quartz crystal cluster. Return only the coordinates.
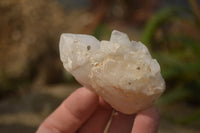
(121, 71)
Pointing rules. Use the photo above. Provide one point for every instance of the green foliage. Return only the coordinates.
(155, 22)
(187, 41)
(195, 116)
(178, 55)
(176, 94)
(162, 17)
(187, 119)
(102, 32)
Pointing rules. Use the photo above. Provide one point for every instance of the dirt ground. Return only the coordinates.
(23, 114)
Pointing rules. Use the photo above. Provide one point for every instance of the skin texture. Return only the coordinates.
(84, 112)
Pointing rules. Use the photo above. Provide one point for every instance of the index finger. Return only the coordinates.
(72, 113)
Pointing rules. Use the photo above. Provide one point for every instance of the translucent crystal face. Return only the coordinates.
(74, 47)
(120, 71)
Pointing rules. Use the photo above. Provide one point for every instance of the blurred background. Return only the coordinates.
(33, 81)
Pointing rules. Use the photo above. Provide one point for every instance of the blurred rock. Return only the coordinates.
(29, 35)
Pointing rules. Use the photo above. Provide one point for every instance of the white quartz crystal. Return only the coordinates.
(121, 71)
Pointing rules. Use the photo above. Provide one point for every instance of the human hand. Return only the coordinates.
(84, 112)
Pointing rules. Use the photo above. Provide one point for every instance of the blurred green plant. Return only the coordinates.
(102, 32)
(155, 22)
(178, 53)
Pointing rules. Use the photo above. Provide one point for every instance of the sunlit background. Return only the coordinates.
(33, 81)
